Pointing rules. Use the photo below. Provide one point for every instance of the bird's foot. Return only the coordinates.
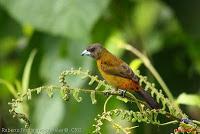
(107, 93)
(186, 120)
(122, 92)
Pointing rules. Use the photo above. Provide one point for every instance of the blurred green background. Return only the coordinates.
(167, 31)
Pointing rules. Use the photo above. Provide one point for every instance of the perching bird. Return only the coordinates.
(117, 73)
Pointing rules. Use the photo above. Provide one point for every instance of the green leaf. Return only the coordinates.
(189, 99)
(27, 30)
(135, 64)
(114, 42)
(27, 70)
(65, 55)
(145, 15)
(9, 86)
(48, 113)
(8, 44)
(70, 18)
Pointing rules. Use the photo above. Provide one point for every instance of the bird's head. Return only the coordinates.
(95, 51)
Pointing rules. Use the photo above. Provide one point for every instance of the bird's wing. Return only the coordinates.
(120, 69)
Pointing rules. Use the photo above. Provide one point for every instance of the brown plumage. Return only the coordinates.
(117, 73)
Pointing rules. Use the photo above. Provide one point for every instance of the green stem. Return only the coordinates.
(119, 127)
(197, 122)
(170, 122)
(27, 71)
(105, 104)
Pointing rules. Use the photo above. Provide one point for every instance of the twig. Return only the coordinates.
(197, 122)
(105, 104)
(170, 122)
(119, 127)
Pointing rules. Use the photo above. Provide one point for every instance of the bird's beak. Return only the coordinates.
(85, 52)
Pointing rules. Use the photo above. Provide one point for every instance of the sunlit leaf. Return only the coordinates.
(145, 16)
(8, 44)
(48, 113)
(113, 43)
(135, 64)
(189, 99)
(71, 18)
(27, 30)
(27, 70)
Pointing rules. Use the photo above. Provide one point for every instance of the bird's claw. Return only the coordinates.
(107, 93)
(186, 120)
(122, 92)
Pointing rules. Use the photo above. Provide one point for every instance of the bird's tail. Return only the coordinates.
(145, 95)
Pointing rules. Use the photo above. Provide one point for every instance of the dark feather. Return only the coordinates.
(151, 102)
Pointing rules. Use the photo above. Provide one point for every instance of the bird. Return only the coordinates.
(117, 73)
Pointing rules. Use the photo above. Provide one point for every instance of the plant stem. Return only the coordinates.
(197, 122)
(170, 122)
(119, 127)
(105, 104)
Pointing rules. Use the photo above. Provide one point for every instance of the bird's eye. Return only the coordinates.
(92, 49)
